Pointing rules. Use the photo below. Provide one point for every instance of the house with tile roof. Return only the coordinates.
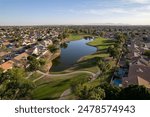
(21, 60)
(138, 75)
(7, 65)
(22, 56)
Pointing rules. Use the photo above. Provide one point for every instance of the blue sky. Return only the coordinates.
(47, 12)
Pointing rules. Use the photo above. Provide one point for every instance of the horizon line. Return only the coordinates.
(107, 24)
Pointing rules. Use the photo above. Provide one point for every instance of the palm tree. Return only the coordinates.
(52, 48)
(103, 66)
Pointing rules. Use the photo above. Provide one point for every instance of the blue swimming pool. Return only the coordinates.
(117, 82)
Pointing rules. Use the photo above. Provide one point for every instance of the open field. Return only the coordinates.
(101, 44)
(53, 87)
(34, 76)
(73, 37)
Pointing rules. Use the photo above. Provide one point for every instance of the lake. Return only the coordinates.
(71, 54)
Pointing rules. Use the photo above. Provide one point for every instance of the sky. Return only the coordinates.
(74, 12)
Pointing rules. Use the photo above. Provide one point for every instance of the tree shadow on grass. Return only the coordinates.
(50, 98)
(101, 51)
(85, 64)
(108, 41)
(62, 83)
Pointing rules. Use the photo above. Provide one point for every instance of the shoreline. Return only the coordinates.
(49, 58)
(80, 59)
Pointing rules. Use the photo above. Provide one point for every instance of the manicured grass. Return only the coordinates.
(95, 83)
(101, 43)
(52, 88)
(93, 69)
(101, 55)
(73, 37)
(34, 76)
(88, 65)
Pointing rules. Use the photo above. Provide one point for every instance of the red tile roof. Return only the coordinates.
(7, 65)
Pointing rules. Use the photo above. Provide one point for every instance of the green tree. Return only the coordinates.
(15, 85)
(52, 48)
(42, 61)
(64, 45)
(82, 91)
(34, 63)
(121, 38)
(102, 33)
(1, 75)
(96, 94)
(147, 53)
(63, 35)
(134, 92)
(103, 66)
(85, 92)
(114, 52)
(111, 92)
(56, 42)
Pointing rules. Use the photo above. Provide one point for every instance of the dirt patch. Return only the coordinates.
(49, 57)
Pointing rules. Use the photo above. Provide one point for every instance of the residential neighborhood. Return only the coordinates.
(15, 48)
(71, 51)
(134, 65)
(96, 57)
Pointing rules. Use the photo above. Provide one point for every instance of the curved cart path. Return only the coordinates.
(68, 91)
(66, 74)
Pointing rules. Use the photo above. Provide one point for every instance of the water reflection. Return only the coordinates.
(71, 52)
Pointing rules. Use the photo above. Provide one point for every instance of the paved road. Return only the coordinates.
(15, 53)
(29, 75)
(38, 78)
(66, 74)
(64, 94)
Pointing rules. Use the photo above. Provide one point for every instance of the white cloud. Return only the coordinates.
(100, 12)
(138, 1)
(134, 14)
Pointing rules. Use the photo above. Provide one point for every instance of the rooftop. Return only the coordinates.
(138, 75)
(21, 56)
(7, 65)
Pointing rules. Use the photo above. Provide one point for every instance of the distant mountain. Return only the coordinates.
(108, 24)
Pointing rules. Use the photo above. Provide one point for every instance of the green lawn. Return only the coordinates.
(95, 83)
(86, 66)
(86, 62)
(34, 76)
(101, 55)
(101, 43)
(73, 37)
(52, 88)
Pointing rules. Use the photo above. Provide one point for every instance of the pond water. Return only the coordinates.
(71, 53)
